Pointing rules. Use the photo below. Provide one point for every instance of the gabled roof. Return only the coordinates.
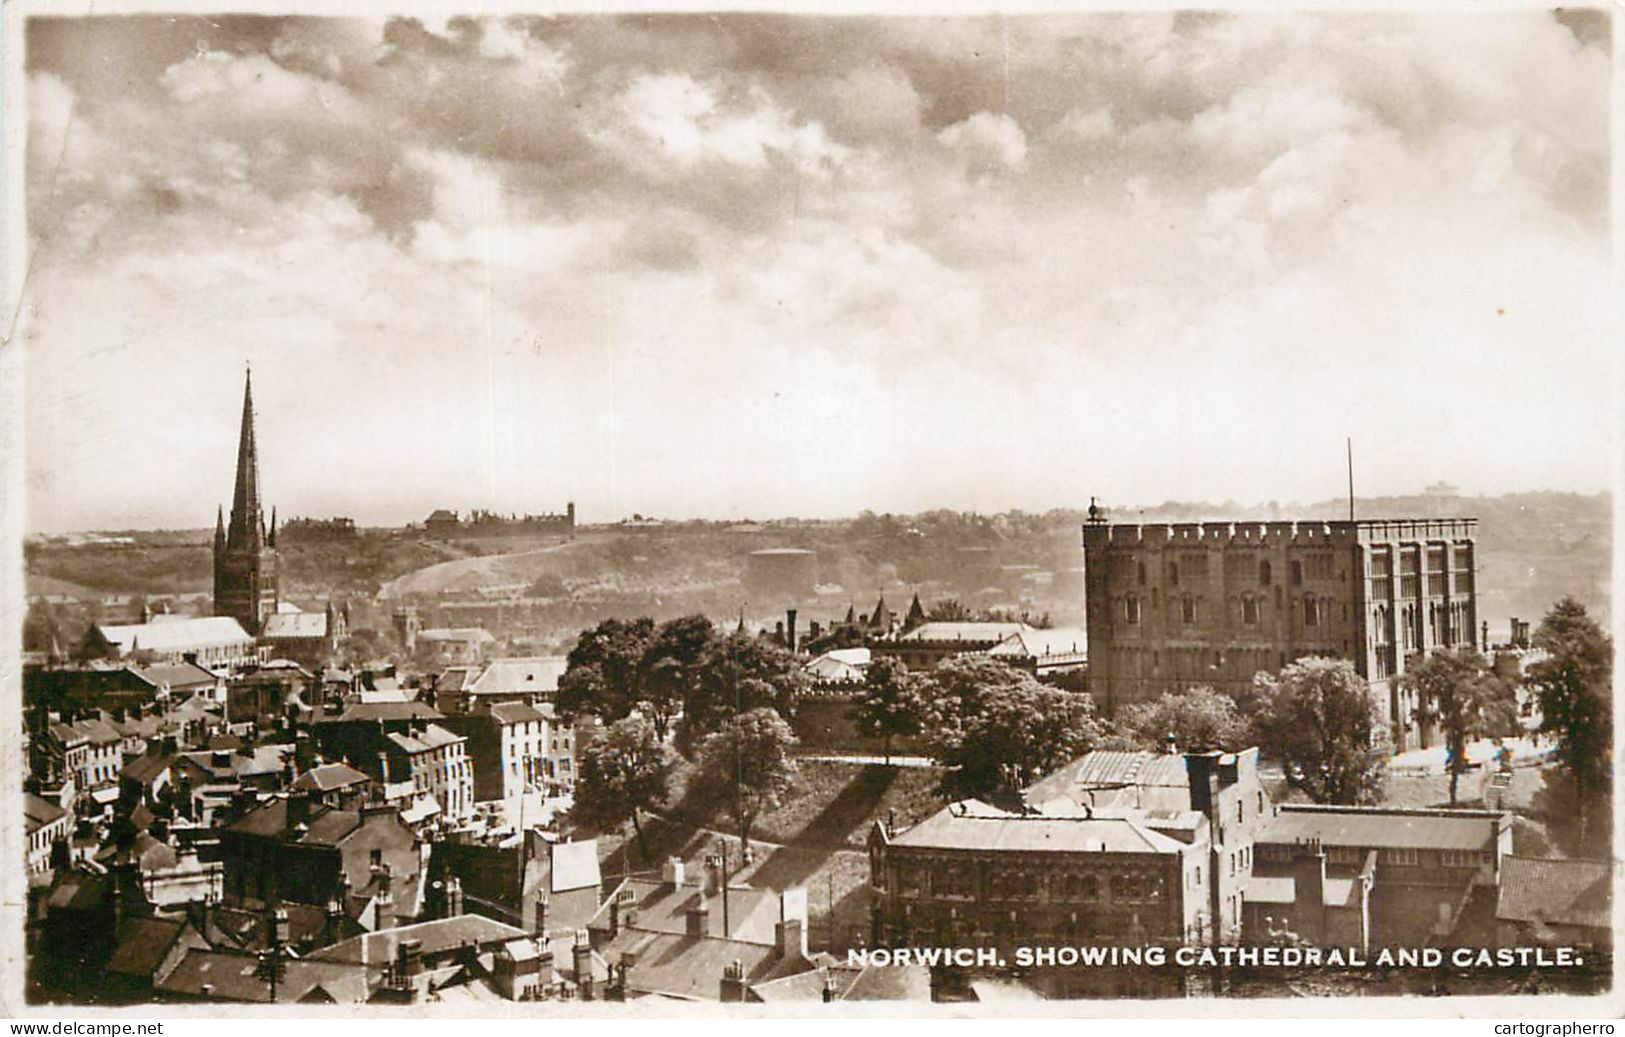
(434, 937)
(1555, 892)
(328, 776)
(40, 812)
(142, 944)
(1104, 770)
(752, 913)
(430, 738)
(374, 711)
(176, 675)
(145, 769)
(575, 865)
(539, 674)
(974, 825)
(1385, 828)
(687, 967)
(232, 977)
(1039, 644)
(176, 635)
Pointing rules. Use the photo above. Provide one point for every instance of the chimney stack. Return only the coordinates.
(733, 982)
(672, 874)
(454, 897)
(540, 928)
(582, 953)
(790, 629)
(698, 919)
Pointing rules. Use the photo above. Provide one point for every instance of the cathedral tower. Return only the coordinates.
(245, 557)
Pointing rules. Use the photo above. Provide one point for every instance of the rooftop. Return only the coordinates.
(434, 937)
(975, 825)
(984, 633)
(508, 676)
(1556, 892)
(295, 625)
(176, 635)
(328, 776)
(1385, 828)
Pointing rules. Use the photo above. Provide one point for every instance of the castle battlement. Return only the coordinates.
(1269, 534)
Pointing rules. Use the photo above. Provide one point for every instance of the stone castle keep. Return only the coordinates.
(1175, 605)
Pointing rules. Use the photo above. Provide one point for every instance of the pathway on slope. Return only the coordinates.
(469, 572)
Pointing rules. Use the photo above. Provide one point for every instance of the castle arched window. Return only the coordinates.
(1311, 611)
(1264, 573)
(1297, 574)
(1249, 610)
(1131, 609)
(1188, 609)
(1140, 573)
(1173, 574)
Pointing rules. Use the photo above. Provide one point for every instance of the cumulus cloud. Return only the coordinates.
(988, 245)
(988, 141)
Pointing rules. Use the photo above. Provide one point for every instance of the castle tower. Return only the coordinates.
(245, 557)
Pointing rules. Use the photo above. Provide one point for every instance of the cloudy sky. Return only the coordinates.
(747, 265)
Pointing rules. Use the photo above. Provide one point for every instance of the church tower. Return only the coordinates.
(245, 557)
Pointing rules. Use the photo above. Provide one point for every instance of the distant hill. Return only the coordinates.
(1533, 549)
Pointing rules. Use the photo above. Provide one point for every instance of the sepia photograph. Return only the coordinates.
(820, 511)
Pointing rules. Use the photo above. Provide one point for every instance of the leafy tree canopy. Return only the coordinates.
(1319, 719)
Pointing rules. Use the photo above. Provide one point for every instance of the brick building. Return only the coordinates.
(1425, 875)
(1171, 606)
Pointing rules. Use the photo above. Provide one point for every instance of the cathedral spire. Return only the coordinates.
(246, 529)
(219, 528)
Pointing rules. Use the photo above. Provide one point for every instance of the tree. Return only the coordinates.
(625, 770)
(1574, 685)
(737, 674)
(671, 666)
(604, 671)
(994, 726)
(890, 704)
(1456, 691)
(1198, 718)
(746, 764)
(948, 610)
(1319, 719)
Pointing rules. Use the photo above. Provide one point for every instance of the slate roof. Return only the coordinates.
(507, 676)
(295, 626)
(328, 776)
(176, 675)
(516, 713)
(432, 737)
(261, 759)
(435, 937)
(40, 812)
(688, 967)
(974, 825)
(1032, 643)
(982, 633)
(231, 977)
(147, 768)
(412, 710)
(176, 635)
(149, 853)
(1555, 892)
(142, 944)
(753, 913)
(1384, 828)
